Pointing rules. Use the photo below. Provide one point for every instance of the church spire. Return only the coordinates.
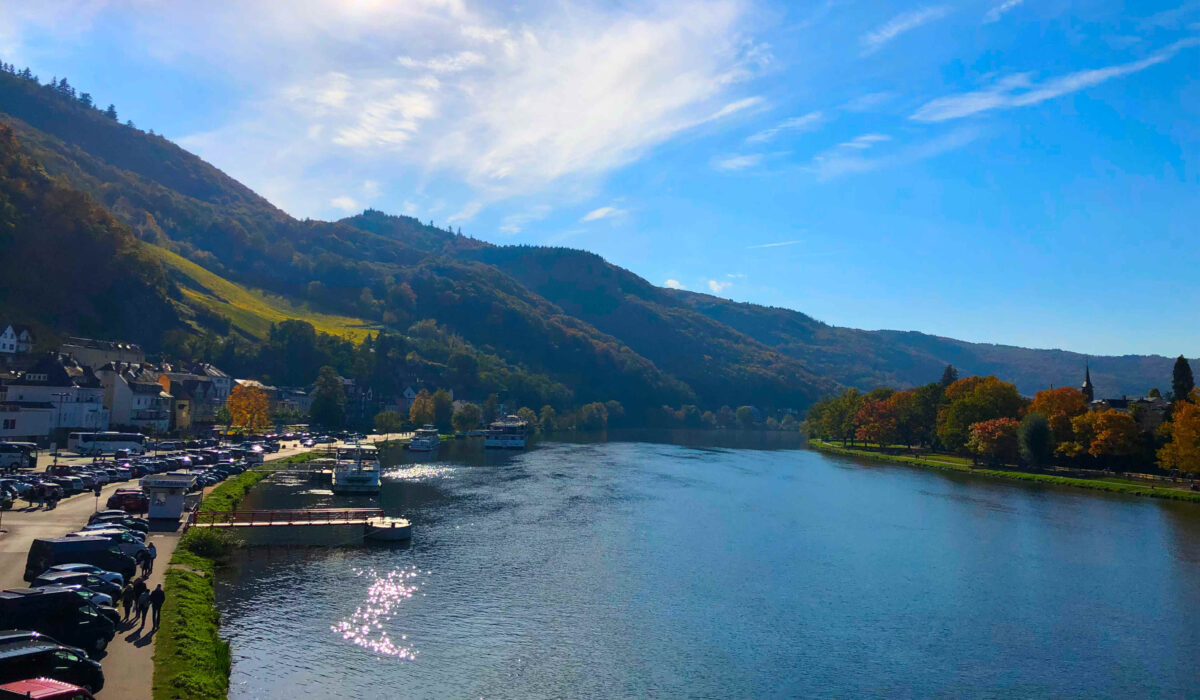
(1089, 391)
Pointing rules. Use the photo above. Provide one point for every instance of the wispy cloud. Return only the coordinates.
(1021, 91)
(804, 123)
(468, 212)
(716, 287)
(737, 162)
(862, 143)
(736, 276)
(840, 161)
(994, 14)
(602, 213)
(447, 63)
(514, 223)
(674, 284)
(772, 245)
(905, 22)
(869, 101)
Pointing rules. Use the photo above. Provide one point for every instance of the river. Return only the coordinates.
(707, 565)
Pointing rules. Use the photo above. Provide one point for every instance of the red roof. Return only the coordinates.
(44, 689)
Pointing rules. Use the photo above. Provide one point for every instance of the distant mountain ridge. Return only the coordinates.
(570, 315)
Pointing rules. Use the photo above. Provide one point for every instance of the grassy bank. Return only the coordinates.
(958, 464)
(191, 661)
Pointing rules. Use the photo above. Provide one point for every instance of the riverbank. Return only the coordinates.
(1112, 485)
(191, 661)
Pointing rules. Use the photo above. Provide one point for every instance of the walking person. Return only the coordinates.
(139, 587)
(151, 555)
(142, 558)
(157, 598)
(127, 596)
(143, 607)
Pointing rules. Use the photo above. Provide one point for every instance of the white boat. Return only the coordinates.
(508, 432)
(389, 529)
(425, 440)
(356, 470)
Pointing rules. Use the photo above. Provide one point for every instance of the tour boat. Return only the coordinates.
(425, 440)
(356, 470)
(508, 432)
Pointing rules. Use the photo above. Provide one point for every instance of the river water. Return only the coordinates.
(714, 566)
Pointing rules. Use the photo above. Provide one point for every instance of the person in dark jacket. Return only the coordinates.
(127, 596)
(157, 598)
(143, 607)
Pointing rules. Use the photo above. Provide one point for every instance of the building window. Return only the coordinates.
(10, 423)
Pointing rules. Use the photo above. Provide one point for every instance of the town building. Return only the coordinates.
(16, 339)
(1150, 411)
(135, 398)
(97, 353)
(54, 397)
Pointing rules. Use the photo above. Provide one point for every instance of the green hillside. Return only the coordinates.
(251, 311)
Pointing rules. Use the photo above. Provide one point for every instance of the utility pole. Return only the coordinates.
(58, 421)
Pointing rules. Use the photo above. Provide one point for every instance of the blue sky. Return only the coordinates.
(1015, 171)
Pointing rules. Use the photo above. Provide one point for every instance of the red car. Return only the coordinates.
(129, 500)
(43, 689)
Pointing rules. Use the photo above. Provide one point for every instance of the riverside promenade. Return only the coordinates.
(129, 660)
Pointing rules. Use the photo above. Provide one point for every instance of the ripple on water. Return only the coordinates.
(419, 472)
(385, 594)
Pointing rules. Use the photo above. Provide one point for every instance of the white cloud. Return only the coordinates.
(735, 276)
(717, 287)
(499, 103)
(875, 39)
(1020, 91)
(861, 143)
(468, 212)
(674, 284)
(869, 101)
(370, 188)
(514, 223)
(344, 203)
(804, 123)
(994, 14)
(772, 245)
(840, 161)
(602, 213)
(732, 163)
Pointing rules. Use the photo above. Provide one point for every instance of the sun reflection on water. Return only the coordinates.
(384, 595)
(417, 472)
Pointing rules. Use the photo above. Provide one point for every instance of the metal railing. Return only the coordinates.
(309, 516)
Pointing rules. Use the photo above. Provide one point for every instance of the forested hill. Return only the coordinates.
(565, 315)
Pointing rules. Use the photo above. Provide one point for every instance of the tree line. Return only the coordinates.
(989, 420)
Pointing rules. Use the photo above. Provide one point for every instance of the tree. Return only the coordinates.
(725, 417)
(745, 417)
(905, 409)
(1182, 381)
(876, 423)
(443, 409)
(974, 400)
(546, 419)
(616, 412)
(491, 409)
(421, 411)
(1182, 450)
(111, 112)
(788, 423)
(328, 399)
(388, 422)
(949, 376)
(527, 414)
(248, 408)
(1155, 393)
(927, 402)
(466, 417)
(85, 99)
(1059, 406)
(1116, 435)
(994, 440)
(225, 417)
(593, 416)
(1035, 439)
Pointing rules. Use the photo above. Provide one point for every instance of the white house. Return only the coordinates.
(57, 392)
(134, 397)
(16, 339)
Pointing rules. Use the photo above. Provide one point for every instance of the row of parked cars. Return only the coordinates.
(67, 616)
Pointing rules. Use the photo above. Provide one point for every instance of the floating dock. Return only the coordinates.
(331, 526)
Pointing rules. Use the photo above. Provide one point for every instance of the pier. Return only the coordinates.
(325, 526)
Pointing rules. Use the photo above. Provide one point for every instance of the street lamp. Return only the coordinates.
(58, 421)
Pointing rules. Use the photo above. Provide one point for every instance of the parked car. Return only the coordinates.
(77, 578)
(97, 551)
(102, 602)
(44, 689)
(20, 660)
(128, 500)
(122, 520)
(60, 614)
(110, 576)
(126, 541)
(98, 529)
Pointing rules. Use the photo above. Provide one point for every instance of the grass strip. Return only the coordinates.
(191, 661)
(1112, 485)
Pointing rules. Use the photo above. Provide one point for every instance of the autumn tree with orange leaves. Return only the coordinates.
(248, 408)
(994, 440)
(1060, 406)
(1182, 450)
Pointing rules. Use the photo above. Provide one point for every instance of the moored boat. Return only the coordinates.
(390, 529)
(508, 433)
(425, 440)
(356, 470)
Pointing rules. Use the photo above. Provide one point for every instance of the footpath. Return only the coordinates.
(129, 661)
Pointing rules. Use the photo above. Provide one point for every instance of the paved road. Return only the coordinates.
(129, 664)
